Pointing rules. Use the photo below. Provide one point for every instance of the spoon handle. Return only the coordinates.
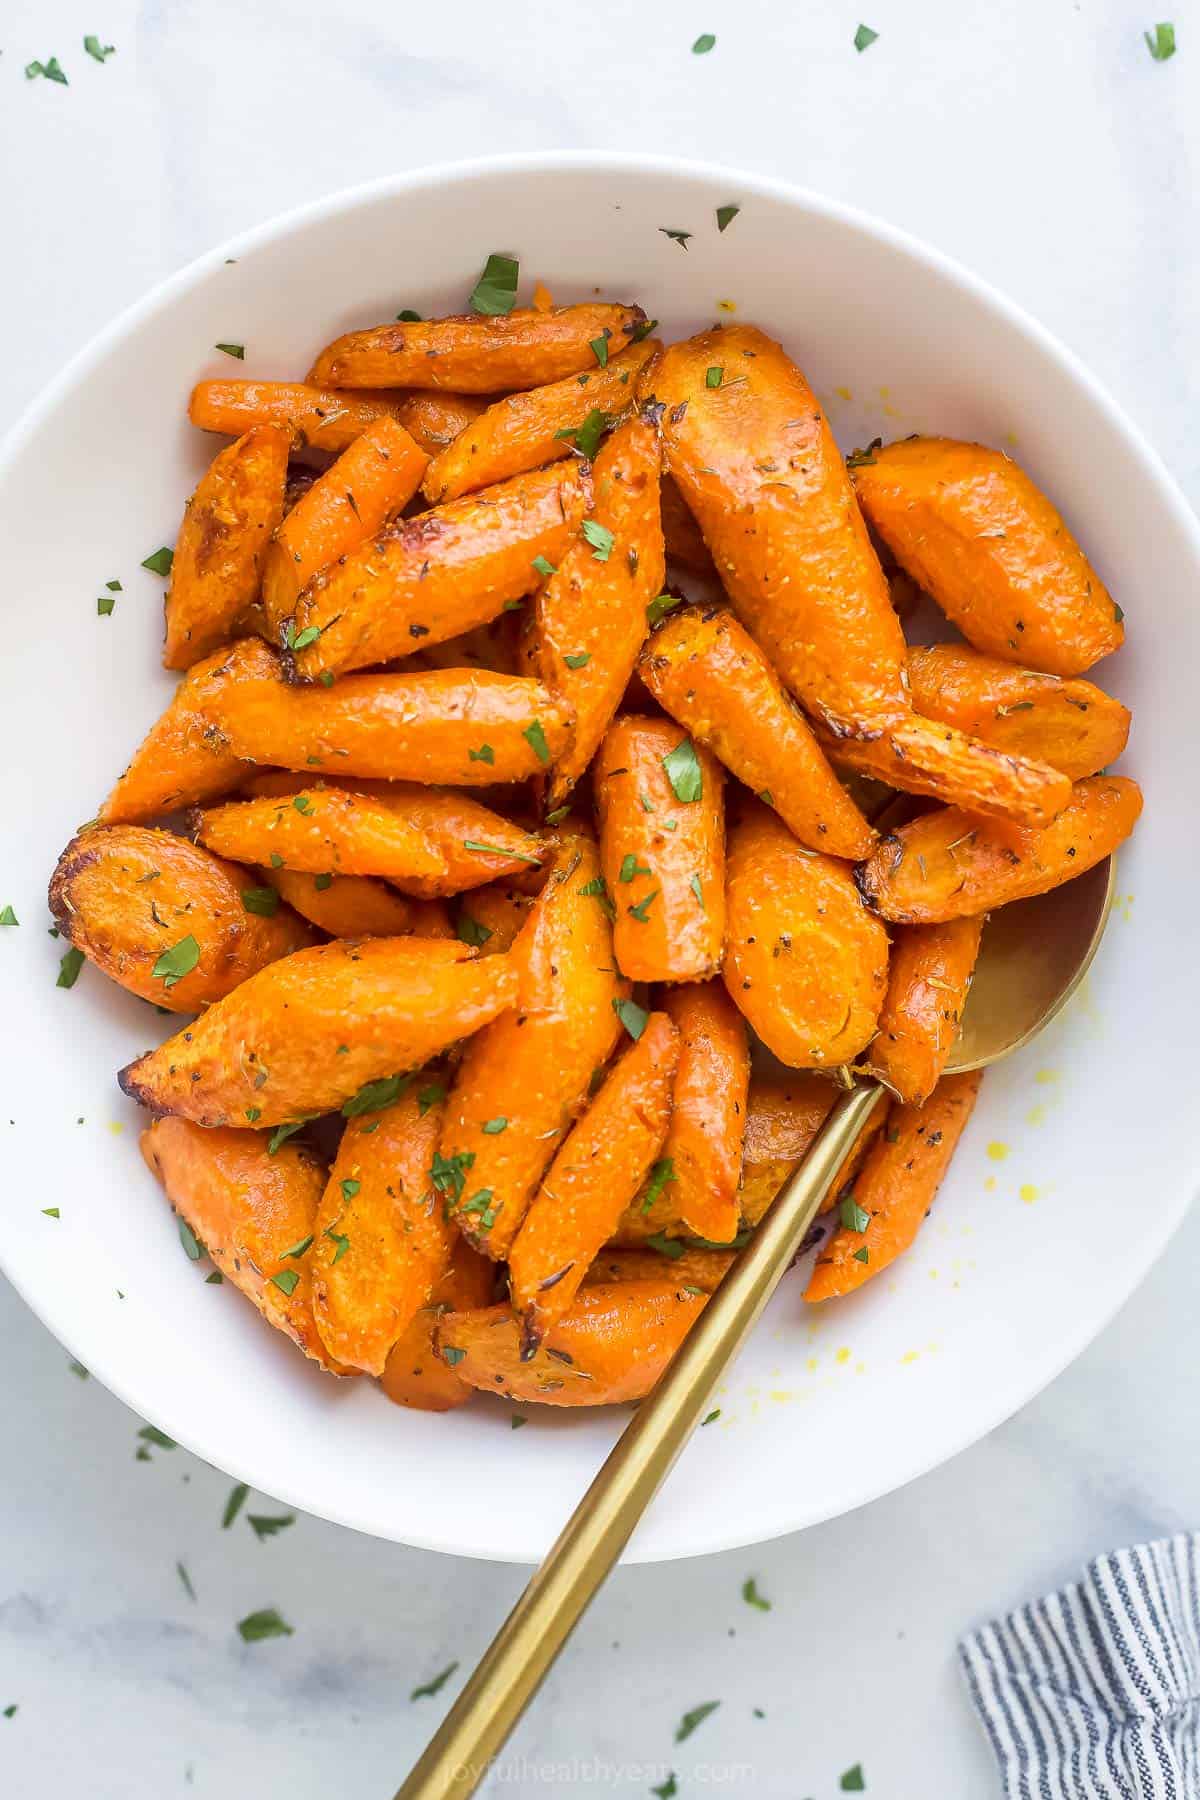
(512, 1668)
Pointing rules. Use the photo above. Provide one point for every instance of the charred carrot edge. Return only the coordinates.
(928, 981)
(595, 1174)
(895, 1188)
(948, 765)
(474, 353)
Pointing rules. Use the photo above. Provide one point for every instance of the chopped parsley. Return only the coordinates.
(535, 737)
(8, 917)
(449, 1173)
(299, 1248)
(631, 867)
(496, 290)
(253, 1114)
(452, 1354)
(321, 882)
(237, 351)
(578, 659)
(286, 1280)
(714, 376)
(660, 606)
(51, 1212)
(265, 1525)
(340, 1240)
(662, 1172)
(697, 888)
(51, 69)
(676, 237)
(667, 1790)
(851, 1214)
(98, 51)
(669, 1247)
(682, 767)
(150, 1434)
(493, 1127)
(374, 1096)
(104, 606)
(69, 967)
(557, 816)
(233, 1505)
(863, 1255)
(599, 349)
(703, 44)
(853, 1781)
(350, 1187)
(484, 754)
(263, 900)
(641, 912)
(752, 1597)
(544, 567)
(726, 215)
(600, 538)
(1161, 42)
(282, 1133)
(408, 317)
(498, 849)
(470, 931)
(710, 1418)
(430, 1096)
(193, 1248)
(185, 1580)
(265, 1624)
(690, 1720)
(632, 1016)
(300, 640)
(586, 437)
(177, 961)
(516, 1421)
(160, 562)
(435, 1684)
(864, 37)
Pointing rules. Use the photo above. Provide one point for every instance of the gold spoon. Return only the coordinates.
(1033, 956)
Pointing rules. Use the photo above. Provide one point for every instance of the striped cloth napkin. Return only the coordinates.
(1094, 1692)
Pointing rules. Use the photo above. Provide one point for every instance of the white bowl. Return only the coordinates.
(1083, 1152)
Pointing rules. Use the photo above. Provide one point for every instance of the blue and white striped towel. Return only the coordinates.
(1094, 1693)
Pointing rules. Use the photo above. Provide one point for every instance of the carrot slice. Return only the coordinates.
(477, 353)
(381, 1240)
(219, 553)
(999, 783)
(127, 897)
(525, 431)
(948, 864)
(713, 679)
(339, 1023)
(321, 830)
(783, 1115)
(415, 1374)
(928, 981)
(589, 618)
(613, 1345)
(895, 1188)
(252, 1211)
(805, 962)
(708, 1115)
(660, 802)
(314, 418)
(597, 1171)
(371, 480)
(419, 581)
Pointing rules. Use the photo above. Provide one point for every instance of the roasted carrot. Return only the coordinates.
(1070, 724)
(227, 525)
(974, 531)
(710, 675)
(928, 979)
(315, 418)
(685, 543)
(691, 1270)
(783, 1115)
(708, 1114)
(381, 1240)
(894, 1189)
(759, 467)
(371, 480)
(660, 801)
(998, 783)
(474, 353)
(433, 577)
(164, 918)
(415, 1374)
(492, 917)
(524, 1080)
(180, 762)
(805, 962)
(252, 1211)
(339, 1023)
(346, 906)
(434, 419)
(525, 431)
(613, 1345)
(488, 646)
(467, 730)
(321, 830)
(588, 620)
(947, 864)
(599, 1168)
(431, 919)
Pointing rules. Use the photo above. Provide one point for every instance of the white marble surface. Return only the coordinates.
(1038, 142)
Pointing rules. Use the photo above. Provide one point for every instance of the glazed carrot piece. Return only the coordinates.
(895, 1188)
(380, 1241)
(321, 830)
(928, 980)
(431, 919)
(784, 1115)
(532, 1068)
(660, 802)
(128, 897)
(252, 1211)
(325, 1026)
(315, 418)
(525, 431)
(685, 543)
(999, 783)
(973, 530)
(180, 762)
(492, 917)
(708, 1115)
(947, 864)
(433, 577)
(805, 962)
(487, 646)
(690, 1269)
(434, 419)
(475, 353)
(471, 843)
(713, 679)
(370, 482)
(448, 726)
(346, 906)
(612, 1346)
(415, 1374)
(759, 468)
(227, 525)
(589, 618)
(1070, 724)
(599, 1168)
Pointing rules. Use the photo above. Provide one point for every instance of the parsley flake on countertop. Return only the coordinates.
(677, 237)
(516, 1422)
(104, 605)
(186, 1580)
(853, 1781)
(150, 1434)
(752, 1597)
(160, 562)
(703, 44)
(632, 1016)
(690, 1720)
(177, 961)
(69, 967)
(51, 69)
(1161, 42)
(864, 37)
(237, 351)
(726, 215)
(600, 538)
(682, 767)
(10, 1711)
(496, 290)
(98, 51)
(265, 1525)
(77, 1368)
(8, 917)
(264, 1624)
(666, 1790)
(408, 317)
(435, 1683)
(710, 1417)
(233, 1505)
(51, 1212)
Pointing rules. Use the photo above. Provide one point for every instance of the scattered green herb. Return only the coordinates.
(676, 237)
(660, 606)
(864, 37)
(710, 1417)
(150, 1434)
(714, 376)
(177, 962)
(233, 1505)
(449, 1173)
(77, 1368)
(682, 767)
(186, 1580)
(265, 1624)
(51, 69)
(51, 1212)
(104, 606)
(631, 867)
(429, 1096)
(265, 1525)
(69, 967)
(632, 1016)
(851, 1214)
(409, 317)
(374, 1096)
(8, 917)
(703, 44)
(263, 900)
(10, 1711)
(302, 803)
(493, 1127)
(863, 1255)
(299, 1248)
(535, 737)
(669, 1247)
(470, 931)
(667, 1790)
(641, 912)
(661, 1172)
(282, 1133)
(484, 754)
(286, 1280)
(690, 1720)
(321, 882)
(516, 1421)
(544, 567)
(599, 349)
(276, 860)
(341, 1241)
(697, 888)
(193, 1248)
(237, 351)
(350, 1187)
(435, 1684)
(557, 815)
(578, 659)
(253, 1114)
(101, 52)
(498, 849)
(600, 538)
(726, 215)
(160, 562)
(452, 1354)
(852, 1781)
(752, 1597)
(1161, 42)
(496, 290)
(303, 639)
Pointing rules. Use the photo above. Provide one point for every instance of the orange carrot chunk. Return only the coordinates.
(928, 981)
(708, 1116)
(415, 1374)
(314, 418)
(321, 830)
